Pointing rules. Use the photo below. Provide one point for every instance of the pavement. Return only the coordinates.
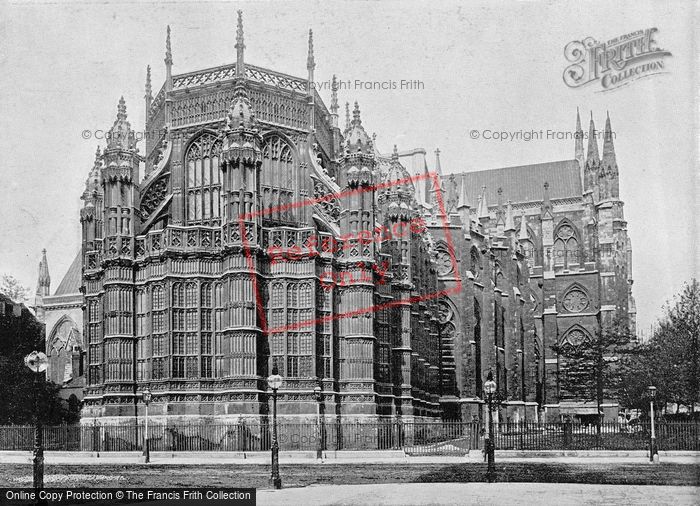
(560, 494)
(347, 457)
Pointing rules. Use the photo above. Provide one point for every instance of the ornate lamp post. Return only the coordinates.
(652, 446)
(274, 381)
(146, 396)
(489, 390)
(37, 362)
(319, 398)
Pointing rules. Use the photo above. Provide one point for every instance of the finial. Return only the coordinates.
(121, 109)
(438, 167)
(98, 154)
(483, 205)
(356, 114)
(168, 49)
(523, 226)
(240, 46)
(395, 154)
(546, 204)
(347, 115)
(463, 202)
(310, 62)
(334, 96)
(149, 89)
(44, 281)
(510, 222)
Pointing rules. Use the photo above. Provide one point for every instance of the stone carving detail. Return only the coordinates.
(329, 206)
(445, 312)
(154, 196)
(574, 338)
(575, 301)
(444, 263)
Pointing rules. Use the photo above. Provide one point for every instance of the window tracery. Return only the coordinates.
(203, 180)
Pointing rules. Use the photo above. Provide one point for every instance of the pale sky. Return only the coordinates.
(484, 65)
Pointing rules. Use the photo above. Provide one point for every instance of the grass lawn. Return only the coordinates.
(141, 475)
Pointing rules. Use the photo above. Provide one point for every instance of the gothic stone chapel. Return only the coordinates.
(175, 287)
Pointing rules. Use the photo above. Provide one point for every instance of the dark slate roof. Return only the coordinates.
(525, 183)
(71, 282)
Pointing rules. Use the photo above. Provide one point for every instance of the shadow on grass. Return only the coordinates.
(609, 474)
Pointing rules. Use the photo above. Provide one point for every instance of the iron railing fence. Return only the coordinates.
(413, 437)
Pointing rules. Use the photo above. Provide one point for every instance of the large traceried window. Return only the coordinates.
(278, 181)
(566, 246)
(203, 181)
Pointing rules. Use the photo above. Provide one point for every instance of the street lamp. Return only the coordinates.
(37, 362)
(146, 396)
(319, 398)
(274, 381)
(489, 390)
(652, 447)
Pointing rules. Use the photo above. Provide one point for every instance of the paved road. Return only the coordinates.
(498, 494)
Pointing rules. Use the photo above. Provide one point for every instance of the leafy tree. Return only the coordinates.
(19, 336)
(674, 355)
(593, 370)
(13, 289)
(635, 374)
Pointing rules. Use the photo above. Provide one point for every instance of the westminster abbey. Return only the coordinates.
(254, 230)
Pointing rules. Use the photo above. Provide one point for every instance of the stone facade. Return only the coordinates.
(201, 275)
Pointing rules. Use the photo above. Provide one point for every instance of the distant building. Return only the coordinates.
(522, 258)
(62, 315)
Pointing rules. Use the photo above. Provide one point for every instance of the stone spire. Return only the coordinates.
(310, 62)
(357, 138)
(500, 213)
(546, 204)
(579, 155)
(347, 116)
(149, 90)
(43, 283)
(310, 66)
(240, 47)
(334, 101)
(240, 113)
(463, 205)
(168, 62)
(510, 222)
(438, 167)
(523, 235)
(93, 184)
(609, 163)
(483, 212)
(609, 159)
(592, 156)
(463, 201)
(120, 135)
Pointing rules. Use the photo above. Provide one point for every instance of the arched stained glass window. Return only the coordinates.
(203, 180)
(278, 181)
(566, 246)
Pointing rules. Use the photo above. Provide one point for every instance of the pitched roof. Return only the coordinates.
(524, 183)
(70, 284)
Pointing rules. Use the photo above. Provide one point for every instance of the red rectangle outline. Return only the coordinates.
(311, 323)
